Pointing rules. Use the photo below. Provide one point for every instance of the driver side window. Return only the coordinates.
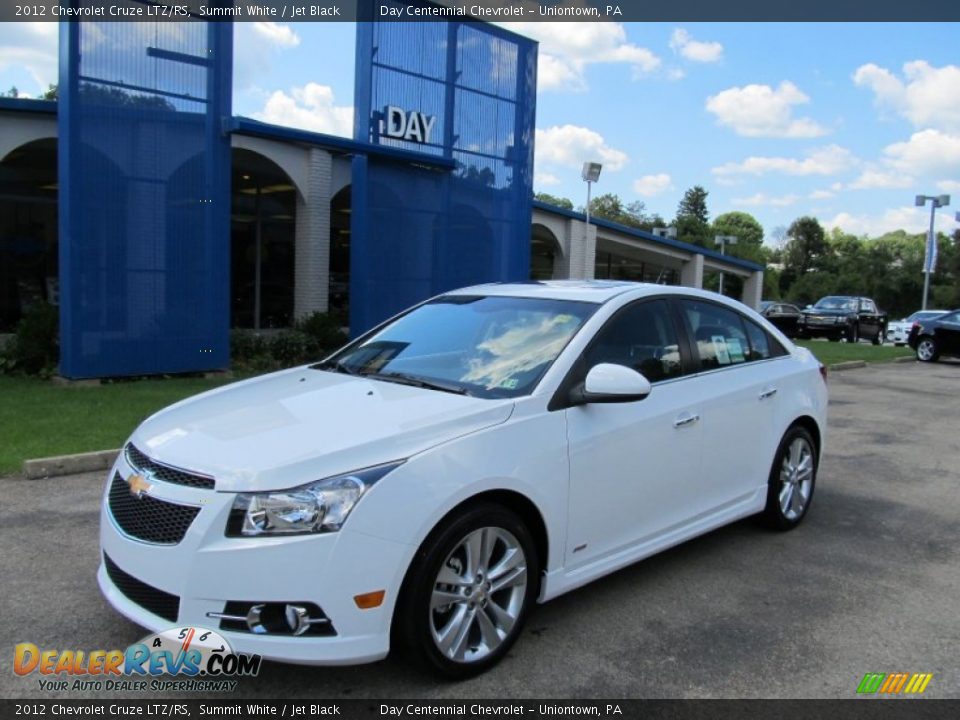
(642, 337)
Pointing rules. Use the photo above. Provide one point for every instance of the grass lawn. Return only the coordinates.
(830, 353)
(39, 419)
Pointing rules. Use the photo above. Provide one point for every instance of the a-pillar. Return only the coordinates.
(753, 290)
(691, 274)
(312, 254)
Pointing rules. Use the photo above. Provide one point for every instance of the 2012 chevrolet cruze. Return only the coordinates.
(427, 484)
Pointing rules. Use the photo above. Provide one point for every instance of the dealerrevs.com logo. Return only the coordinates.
(202, 656)
(898, 683)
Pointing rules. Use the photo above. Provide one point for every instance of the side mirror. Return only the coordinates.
(610, 383)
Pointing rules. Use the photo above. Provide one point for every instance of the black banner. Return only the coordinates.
(490, 10)
(862, 709)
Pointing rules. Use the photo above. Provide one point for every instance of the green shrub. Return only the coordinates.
(35, 348)
(325, 329)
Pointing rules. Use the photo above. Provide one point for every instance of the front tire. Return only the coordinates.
(469, 590)
(792, 480)
(853, 334)
(881, 333)
(927, 350)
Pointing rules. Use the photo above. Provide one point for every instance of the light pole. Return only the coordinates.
(930, 256)
(723, 241)
(590, 174)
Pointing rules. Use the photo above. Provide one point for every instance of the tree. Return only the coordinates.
(610, 207)
(748, 231)
(11, 93)
(560, 202)
(805, 248)
(51, 93)
(692, 221)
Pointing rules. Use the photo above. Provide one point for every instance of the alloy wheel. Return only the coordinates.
(926, 350)
(478, 595)
(796, 478)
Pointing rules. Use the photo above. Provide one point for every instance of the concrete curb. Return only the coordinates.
(849, 365)
(69, 464)
(908, 358)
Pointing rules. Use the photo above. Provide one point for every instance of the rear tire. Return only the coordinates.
(468, 591)
(793, 478)
(927, 350)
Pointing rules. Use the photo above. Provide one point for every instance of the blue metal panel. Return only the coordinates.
(144, 197)
(418, 231)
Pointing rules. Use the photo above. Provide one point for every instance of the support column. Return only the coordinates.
(583, 250)
(753, 290)
(691, 274)
(312, 253)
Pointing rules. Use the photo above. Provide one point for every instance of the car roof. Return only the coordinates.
(592, 291)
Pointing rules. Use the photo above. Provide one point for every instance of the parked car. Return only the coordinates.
(843, 316)
(898, 331)
(488, 449)
(936, 337)
(782, 315)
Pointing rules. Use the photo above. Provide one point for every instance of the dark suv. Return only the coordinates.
(843, 316)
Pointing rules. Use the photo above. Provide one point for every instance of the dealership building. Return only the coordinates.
(157, 220)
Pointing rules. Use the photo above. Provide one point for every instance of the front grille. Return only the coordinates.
(146, 518)
(146, 596)
(140, 462)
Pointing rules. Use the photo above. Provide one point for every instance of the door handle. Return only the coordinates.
(685, 420)
(768, 393)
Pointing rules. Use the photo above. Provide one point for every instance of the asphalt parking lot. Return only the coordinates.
(869, 583)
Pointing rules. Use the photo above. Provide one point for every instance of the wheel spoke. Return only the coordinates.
(501, 617)
(796, 504)
(474, 549)
(517, 576)
(488, 630)
(796, 450)
(786, 496)
(447, 576)
(442, 598)
(453, 640)
(510, 560)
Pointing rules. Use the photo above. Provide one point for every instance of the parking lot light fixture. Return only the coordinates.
(590, 174)
(930, 257)
(666, 232)
(723, 241)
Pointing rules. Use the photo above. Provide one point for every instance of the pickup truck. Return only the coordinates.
(843, 316)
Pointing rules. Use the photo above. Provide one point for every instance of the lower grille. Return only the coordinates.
(158, 602)
(146, 518)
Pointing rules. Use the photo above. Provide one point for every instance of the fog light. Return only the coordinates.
(298, 619)
(370, 600)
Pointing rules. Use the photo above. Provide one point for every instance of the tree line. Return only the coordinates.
(803, 261)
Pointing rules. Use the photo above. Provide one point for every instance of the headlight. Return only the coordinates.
(319, 507)
(840, 320)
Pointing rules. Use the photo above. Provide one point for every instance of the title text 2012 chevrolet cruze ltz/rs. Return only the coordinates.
(430, 482)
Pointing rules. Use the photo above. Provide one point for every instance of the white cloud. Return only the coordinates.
(572, 145)
(927, 96)
(568, 48)
(820, 195)
(761, 111)
(311, 107)
(32, 47)
(763, 200)
(258, 43)
(542, 179)
(652, 184)
(909, 218)
(277, 33)
(829, 160)
(949, 186)
(681, 42)
(926, 153)
(878, 179)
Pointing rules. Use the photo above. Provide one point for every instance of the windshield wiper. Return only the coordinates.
(336, 366)
(412, 380)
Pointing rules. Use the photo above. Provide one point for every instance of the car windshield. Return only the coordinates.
(836, 303)
(485, 346)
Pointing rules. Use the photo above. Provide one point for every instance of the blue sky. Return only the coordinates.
(843, 121)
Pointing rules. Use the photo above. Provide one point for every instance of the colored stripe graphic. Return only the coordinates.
(894, 683)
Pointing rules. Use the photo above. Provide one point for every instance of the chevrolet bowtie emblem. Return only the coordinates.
(138, 485)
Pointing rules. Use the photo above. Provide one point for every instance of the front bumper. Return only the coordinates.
(206, 569)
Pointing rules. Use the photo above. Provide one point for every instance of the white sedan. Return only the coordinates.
(429, 483)
(899, 331)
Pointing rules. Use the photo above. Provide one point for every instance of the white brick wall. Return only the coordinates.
(312, 273)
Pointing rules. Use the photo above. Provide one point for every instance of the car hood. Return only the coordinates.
(297, 426)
